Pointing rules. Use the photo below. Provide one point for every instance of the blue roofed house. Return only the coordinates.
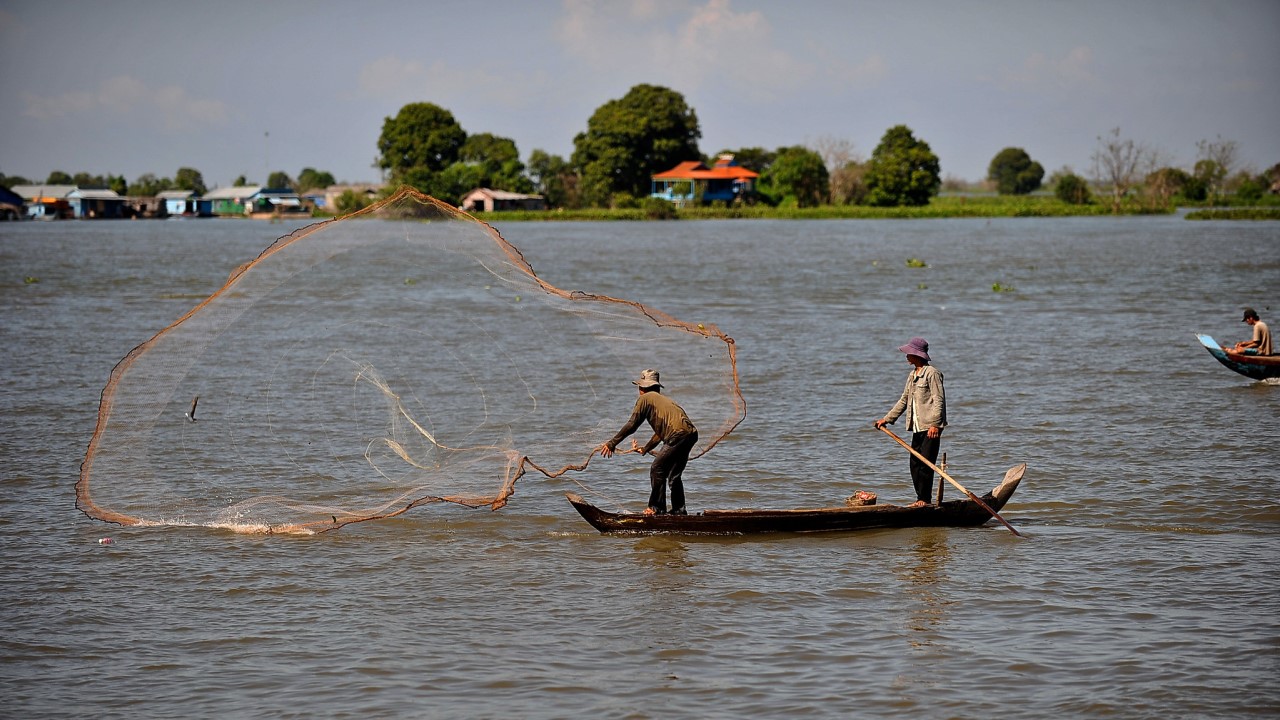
(12, 206)
(277, 201)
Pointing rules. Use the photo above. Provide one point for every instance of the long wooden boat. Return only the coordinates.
(953, 513)
(1258, 367)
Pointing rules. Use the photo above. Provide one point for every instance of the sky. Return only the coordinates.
(235, 88)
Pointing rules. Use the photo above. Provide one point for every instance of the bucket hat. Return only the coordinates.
(648, 379)
(917, 346)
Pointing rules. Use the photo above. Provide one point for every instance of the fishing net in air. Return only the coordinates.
(360, 367)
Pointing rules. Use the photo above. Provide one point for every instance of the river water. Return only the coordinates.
(1147, 586)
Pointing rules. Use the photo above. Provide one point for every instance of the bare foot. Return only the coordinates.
(918, 504)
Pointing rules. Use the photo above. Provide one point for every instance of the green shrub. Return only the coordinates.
(657, 209)
(1073, 189)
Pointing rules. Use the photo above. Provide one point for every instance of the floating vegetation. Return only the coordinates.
(916, 263)
(922, 286)
(1253, 213)
(997, 287)
(30, 280)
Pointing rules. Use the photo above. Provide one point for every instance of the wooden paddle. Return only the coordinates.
(951, 480)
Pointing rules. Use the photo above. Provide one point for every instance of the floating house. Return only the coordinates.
(95, 204)
(46, 202)
(234, 201)
(487, 200)
(692, 181)
(183, 203)
(277, 201)
(254, 201)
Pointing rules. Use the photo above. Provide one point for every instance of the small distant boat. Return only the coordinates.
(1258, 367)
(953, 513)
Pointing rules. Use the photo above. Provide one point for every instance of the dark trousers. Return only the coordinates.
(921, 474)
(668, 467)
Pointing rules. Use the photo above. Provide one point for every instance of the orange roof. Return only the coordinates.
(694, 170)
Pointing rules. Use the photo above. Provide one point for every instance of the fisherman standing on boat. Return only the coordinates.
(925, 403)
(672, 428)
(1261, 342)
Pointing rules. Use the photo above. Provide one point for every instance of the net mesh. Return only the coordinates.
(403, 355)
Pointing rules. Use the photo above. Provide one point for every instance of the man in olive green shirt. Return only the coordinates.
(672, 428)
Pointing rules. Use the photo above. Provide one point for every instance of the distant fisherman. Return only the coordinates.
(671, 427)
(1261, 342)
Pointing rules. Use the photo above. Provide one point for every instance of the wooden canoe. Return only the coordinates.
(953, 513)
(1258, 367)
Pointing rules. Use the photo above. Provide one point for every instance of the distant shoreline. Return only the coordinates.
(954, 206)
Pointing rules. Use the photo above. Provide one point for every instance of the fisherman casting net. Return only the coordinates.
(359, 367)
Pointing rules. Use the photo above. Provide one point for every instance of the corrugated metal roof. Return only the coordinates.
(175, 194)
(502, 194)
(53, 191)
(95, 194)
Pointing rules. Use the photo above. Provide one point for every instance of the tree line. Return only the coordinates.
(148, 185)
(652, 129)
(627, 141)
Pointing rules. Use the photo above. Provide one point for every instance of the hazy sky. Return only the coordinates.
(129, 87)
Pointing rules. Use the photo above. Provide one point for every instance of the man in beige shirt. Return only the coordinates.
(925, 403)
(1260, 344)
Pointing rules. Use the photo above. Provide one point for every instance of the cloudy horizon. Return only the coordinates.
(238, 88)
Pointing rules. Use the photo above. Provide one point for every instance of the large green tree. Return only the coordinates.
(798, 173)
(86, 181)
(310, 179)
(497, 161)
(421, 140)
(1014, 172)
(453, 182)
(148, 185)
(189, 179)
(648, 130)
(1071, 188)
(756, 159)
(554, 179)
(902, 170)
(279, 179)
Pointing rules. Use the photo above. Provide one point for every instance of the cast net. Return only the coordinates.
(403, 355)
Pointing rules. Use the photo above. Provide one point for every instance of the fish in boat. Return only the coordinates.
(1258, 367)
(952, 513)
